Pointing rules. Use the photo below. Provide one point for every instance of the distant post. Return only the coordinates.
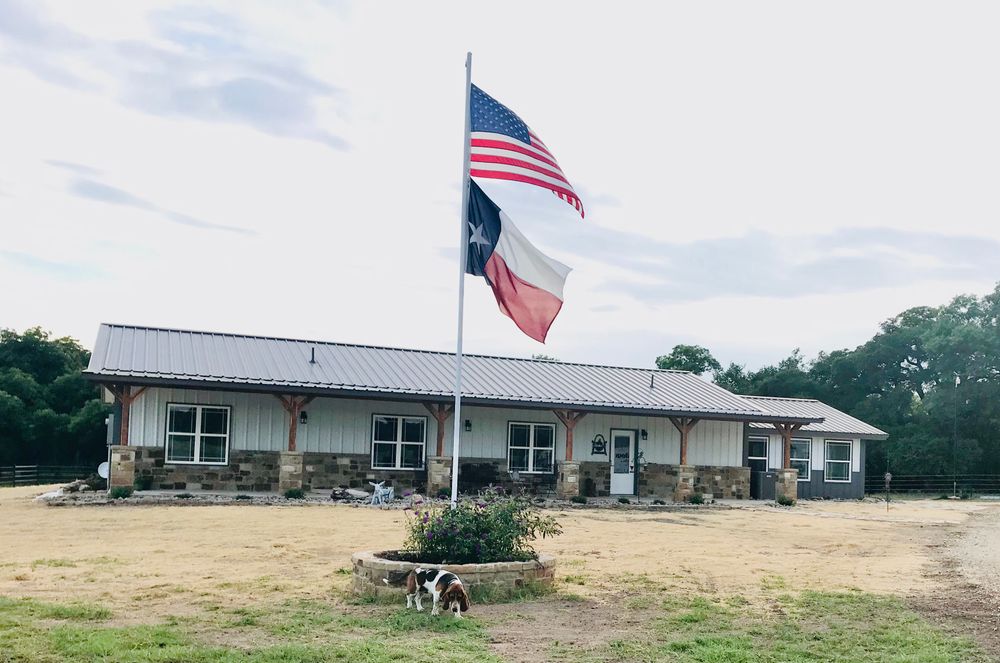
(888, 478)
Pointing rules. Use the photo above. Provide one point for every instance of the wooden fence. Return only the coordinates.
(34, 475)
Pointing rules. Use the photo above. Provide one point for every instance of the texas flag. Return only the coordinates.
(527, 283)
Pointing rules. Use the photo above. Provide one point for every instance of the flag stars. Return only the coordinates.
(477, 236)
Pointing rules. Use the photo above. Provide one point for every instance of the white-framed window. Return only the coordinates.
(197, 434)
(531, 447)
(838, 461)
(801, 455)
(398, 442)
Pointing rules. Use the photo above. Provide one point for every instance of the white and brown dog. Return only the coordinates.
(444, 587)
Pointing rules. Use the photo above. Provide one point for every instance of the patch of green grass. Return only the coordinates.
(814, 626)
(304, 631)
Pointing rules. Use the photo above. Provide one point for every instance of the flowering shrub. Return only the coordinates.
(490, 528)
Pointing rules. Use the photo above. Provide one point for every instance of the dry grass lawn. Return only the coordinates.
(148, 564)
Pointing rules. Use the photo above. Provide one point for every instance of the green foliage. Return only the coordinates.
(692, 358)
(696, 498)
(578, 499)
(143, 483)
(659, 502)
(491, 528)
(121, 492)
(295, 494)
(624, 500)
(49, 415)
(243, 497)
(183, 496)
(785, 500)
(903, 381)
(443, 493)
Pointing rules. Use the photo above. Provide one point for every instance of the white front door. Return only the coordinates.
(623, 462)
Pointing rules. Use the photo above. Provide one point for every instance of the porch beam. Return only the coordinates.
(124, 395)
(569, 419)
(293, 406)
(441, 413)
(684, 426)
(787, 431)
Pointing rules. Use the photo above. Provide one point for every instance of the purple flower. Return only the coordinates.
(430, 535)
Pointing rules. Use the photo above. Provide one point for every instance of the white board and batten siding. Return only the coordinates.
(259, 423)
(776, 452)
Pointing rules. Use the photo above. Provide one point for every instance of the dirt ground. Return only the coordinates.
(146, 563)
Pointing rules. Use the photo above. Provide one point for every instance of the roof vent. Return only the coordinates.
(312, 356)
(652, 376)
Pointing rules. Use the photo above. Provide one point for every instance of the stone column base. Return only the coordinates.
(786, 484)
(685, 483)
(122, 467)
(290, 470)
(438, 474)
(567, 479)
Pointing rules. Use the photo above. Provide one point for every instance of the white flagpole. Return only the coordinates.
(463, 259)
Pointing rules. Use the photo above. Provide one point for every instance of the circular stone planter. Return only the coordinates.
(370, 570)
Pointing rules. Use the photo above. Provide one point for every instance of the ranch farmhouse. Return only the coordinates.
(201, 410)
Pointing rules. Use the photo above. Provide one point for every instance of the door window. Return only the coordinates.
(622, 451)
(757, 454)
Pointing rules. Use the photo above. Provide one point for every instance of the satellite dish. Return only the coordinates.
(102, 470)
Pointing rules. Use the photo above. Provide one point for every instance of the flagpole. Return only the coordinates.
(463, 252)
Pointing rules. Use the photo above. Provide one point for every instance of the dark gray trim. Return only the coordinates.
(431, 397)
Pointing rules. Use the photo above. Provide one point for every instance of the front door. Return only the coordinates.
(761, 481)
(623, 462)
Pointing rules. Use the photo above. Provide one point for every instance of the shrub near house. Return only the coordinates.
(490, 528)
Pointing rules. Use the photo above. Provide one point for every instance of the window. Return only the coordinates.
(398, 442)
(198, 434)
(531, 447)
(838, 461)
(757, 454)
(802, 457)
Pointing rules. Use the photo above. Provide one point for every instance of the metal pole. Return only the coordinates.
(463, 252)
(954, 442)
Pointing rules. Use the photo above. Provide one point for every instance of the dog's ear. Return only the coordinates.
(465, 602)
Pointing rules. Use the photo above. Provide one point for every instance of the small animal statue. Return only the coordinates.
(381, 494)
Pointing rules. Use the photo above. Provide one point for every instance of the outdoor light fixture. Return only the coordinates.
(303, 417)
(468, 425)
(643, 434)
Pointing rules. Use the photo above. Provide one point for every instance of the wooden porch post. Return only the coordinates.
(684, 426)
(123, 394)
(569, 419)
(293, 406)
(440, 414)
(787, 430)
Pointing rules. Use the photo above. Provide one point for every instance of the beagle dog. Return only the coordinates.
(444, 587)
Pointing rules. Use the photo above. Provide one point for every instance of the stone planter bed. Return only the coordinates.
(370, 568)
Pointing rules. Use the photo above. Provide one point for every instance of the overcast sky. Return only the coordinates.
(757, 176)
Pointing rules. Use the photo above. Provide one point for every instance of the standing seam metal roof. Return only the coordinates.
(834, 421)
(151, 354)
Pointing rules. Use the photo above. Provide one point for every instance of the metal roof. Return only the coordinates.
(148, 355)
(834, 421)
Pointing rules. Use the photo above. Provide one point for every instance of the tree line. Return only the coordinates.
(49, 414)
(930, 378)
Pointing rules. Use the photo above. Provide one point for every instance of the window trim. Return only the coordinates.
(531, 446)
(197, 434)
(766, 439)
(399, 444)
(826, 460)
(809, 442)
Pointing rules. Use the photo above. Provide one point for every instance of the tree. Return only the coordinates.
(49, 414)
(693, 358)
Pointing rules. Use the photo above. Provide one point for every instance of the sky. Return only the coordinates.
(758, 177)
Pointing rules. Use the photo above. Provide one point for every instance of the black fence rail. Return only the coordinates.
(34, 475)
(942, 484)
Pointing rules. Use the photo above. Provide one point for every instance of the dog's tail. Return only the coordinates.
(396, 578)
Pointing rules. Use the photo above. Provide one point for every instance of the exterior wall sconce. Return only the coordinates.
(468, 425)
(303, 417)
(643, 434)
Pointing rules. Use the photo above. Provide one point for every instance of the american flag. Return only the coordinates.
(505, 148)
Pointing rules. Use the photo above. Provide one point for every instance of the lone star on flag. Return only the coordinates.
(477, 236)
